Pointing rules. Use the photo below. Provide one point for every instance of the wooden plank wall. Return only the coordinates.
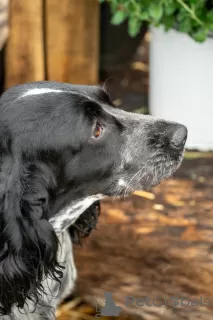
(25, 47)
(53, 40)
(72, 40)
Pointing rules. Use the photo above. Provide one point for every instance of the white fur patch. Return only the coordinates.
(40, 91)
(122, 183)
(67, 216)
(37, 91)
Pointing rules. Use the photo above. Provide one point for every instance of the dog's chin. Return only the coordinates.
(154, 176)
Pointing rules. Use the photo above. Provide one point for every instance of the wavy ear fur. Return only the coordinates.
(28, 243)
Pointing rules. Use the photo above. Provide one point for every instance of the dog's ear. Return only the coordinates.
(28, 243)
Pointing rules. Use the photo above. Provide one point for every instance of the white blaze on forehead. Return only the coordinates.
(37, 91)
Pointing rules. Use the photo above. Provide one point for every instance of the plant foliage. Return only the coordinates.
(194, 17)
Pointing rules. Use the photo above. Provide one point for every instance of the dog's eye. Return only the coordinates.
(98, 130)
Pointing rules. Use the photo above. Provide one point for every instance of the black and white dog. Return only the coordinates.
(62, 148)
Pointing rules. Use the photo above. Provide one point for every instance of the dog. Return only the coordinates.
(64, 148)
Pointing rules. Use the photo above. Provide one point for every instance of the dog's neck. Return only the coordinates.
(68, 215)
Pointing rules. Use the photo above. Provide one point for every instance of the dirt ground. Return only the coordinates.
(157, 244)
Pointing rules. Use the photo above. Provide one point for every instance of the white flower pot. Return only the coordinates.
(181, 84)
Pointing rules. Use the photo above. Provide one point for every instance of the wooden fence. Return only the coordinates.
(53, 40)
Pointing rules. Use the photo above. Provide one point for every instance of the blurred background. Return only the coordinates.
(154, 57)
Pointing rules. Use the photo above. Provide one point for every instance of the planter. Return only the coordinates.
(181, 84)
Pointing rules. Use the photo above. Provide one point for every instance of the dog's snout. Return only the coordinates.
(178, 136)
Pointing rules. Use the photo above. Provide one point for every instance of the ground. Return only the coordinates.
(152, 244)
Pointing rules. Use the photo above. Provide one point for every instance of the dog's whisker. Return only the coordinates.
(128, 187)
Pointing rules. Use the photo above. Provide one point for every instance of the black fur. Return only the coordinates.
(85, 223)
(49, 159)
(28, 242)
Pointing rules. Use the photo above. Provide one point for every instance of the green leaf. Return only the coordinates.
(185, 25)
(113, 6)
(170, 8)
(134, 26)
(200, 35)
(101, 1)
(156, 11)
(144, 16)
(193, 17)
(168, 22)
(210, 16)
(130, 6)
(182, 15)
(118, 17)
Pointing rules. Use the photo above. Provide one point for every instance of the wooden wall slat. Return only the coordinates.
(72, 40)
(25, 48)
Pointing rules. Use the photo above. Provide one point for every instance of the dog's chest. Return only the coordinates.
(67, 216)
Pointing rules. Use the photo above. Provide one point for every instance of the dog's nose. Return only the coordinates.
(179, 136)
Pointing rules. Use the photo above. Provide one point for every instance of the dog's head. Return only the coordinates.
(62, 148)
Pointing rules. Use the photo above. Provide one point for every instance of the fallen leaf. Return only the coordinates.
(141, 66)
(158, 207)
(201, 179)
(144, 194)
(174, 200)
(197, 155)
(145, 230)
(118, 215)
